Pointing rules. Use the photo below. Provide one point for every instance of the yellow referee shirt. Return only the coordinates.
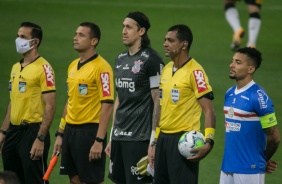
(26, 86)
(88, 87)
(179, 93)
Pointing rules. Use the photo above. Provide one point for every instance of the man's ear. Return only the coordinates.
(142, 31)
(252, 69)
(94, 41)
(35, 42)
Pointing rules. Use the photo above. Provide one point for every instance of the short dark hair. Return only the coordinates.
(142, 21)
(184, 33)
(94, 30)
(253, 54)
(9, 177)
(36, 31)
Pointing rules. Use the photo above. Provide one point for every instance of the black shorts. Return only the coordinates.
(77, 142)
(170, 166)
(124, 157)
(16, 153)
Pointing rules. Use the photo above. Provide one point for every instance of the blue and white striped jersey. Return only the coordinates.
(245, 140)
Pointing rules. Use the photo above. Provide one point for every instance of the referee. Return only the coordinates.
(82, 132)
(30, 112)
(184, 93)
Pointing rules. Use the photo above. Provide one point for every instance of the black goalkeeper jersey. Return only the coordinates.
(135, 76)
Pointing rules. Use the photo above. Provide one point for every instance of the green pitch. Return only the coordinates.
(212, 37)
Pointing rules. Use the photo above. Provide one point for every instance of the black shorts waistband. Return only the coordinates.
(25, 125)
(170, 134)
(84, 125)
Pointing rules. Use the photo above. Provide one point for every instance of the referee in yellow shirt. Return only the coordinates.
(184, 93)
(82, 132)
(30, 111)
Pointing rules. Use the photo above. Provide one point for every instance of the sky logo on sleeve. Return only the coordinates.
(200, 80)
(49, 75)
(105, 80)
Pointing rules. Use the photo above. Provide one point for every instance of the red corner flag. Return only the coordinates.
(52, 164)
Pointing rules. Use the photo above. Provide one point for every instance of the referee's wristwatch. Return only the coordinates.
(41, 137)
(210, 141)
(100, 140)
(3, 132)
(59, 134)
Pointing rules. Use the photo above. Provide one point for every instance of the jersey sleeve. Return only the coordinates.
(106, 83)
(154, 68)
(47, 78)
(200, 83)
(262, 103)
(264, 108)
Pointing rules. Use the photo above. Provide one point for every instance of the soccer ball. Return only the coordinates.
(188, 140)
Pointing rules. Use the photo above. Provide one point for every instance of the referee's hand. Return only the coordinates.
(96, 151)
(202, 152)
(37, 149)
(57, 145)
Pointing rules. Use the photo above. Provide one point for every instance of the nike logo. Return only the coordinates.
(140, 177)
(118, 66)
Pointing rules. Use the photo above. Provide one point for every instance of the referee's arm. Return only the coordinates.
(5, 126)
(48, 115)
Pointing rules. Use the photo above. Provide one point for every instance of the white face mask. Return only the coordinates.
(23, 45)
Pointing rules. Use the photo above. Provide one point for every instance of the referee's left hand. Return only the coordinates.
(37, 149)
(202, 152)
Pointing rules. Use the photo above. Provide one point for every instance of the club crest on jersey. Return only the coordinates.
(175, 94)
(231, 112)
(49, 75)
(137, 66)
(105, 80)
(200, 80)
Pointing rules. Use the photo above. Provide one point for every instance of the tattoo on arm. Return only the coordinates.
(156, 111)
(273, 140)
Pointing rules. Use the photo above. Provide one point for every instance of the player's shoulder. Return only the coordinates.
(151, 56)
(169, 65)
(151, 52)
(257, 91)
(103, 63)
(74, 62)
(41, 60)
(230, 90)
(102, 60)
(41, 64)
(122, 55)
(192, 63)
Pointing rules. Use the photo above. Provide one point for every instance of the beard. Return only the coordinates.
(232, 77)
